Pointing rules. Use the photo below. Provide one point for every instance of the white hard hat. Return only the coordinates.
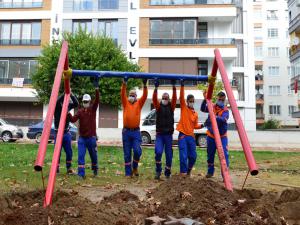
(86, 97)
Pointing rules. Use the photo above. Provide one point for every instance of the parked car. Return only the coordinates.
(35, 132)
(9, 132)
(148, 129)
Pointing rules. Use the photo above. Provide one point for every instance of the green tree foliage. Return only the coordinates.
(86, 52)
(218, 87)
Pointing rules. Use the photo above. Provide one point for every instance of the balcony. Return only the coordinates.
(10, 80)
(259, 79)
(191, 2)
(259, 99)
(195, 41)
(21, 4)
(20, 42)
(294, 52)
(295, 24)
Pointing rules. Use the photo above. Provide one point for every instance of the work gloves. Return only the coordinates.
(145, 82)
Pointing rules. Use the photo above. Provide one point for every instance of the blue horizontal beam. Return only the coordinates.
(166, 76)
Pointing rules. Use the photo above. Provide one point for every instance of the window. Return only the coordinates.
(289, 90)
(237, 24)
(10, 68)
(85, 25)
(272, 14)
(239, 61)
(287, 52)
(21, 33)
(274, 109)
(202, 27)
(289, 69)
(109, 28)
(173, 29)
(273, 52)
(21, 3)
(203, 67)
(292, 109)
(108, 4)
(83, 5)
(258, 33)
(258, 51)
(274, 70)
(238, 81)
(273, 33)
(257, 13)
(274, 90)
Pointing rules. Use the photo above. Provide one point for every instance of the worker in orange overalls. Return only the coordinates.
(131, 135)
(186, 140)
(222, 116)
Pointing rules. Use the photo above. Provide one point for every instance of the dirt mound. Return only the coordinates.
(68, 208)
(209, 202)
(201, 200)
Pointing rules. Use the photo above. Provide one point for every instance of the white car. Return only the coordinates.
(148, 129)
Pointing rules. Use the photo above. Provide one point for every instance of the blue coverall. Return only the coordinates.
(222, 115)
(67, 138)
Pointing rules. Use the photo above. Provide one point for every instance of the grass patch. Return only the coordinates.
(17, 161)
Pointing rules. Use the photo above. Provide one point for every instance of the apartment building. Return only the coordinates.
(24, 28)
(274, 98)
(168, 36)
(294, 31)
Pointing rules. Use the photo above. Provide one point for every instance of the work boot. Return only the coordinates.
(157, 176)
(209, 175)
(135, 172)
(189, 172)
(95, 172)
(168, 177)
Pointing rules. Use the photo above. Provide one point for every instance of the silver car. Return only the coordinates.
(9, 132)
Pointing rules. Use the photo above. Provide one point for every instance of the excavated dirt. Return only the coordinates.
(202, 200)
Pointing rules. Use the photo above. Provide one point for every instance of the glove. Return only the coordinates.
(95, 81)
(145, 82)
(182, 83)
(125, 79)
(156, 83)
(173, 82)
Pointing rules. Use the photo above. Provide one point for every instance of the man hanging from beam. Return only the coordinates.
(131, 135)
(186, 140)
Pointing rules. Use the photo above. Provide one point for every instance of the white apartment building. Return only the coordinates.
(274, 98)
(170, 36)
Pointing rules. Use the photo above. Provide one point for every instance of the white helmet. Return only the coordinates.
(86, 97)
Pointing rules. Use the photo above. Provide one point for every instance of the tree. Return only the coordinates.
(217, 88)
(86, 52)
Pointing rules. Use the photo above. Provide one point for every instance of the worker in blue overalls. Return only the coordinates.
(67, 138)
(222, 116)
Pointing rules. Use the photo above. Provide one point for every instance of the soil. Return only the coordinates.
(199, 199)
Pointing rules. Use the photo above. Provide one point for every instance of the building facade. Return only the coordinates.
(177, 36)
(294, 31)
(24, 28)
(274, 98)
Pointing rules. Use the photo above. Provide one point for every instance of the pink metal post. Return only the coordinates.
(240, 127)
(224, 168)
(211, 85)
(48, 121)
(56, 154)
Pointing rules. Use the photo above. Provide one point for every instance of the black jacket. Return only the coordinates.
(58, 110)
(165, 119)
